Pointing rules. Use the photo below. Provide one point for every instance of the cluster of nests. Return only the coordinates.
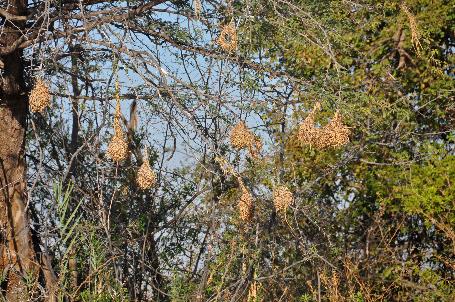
(243, 138)
(332, 135)
(282, 199)
(40, 98)
(118, 151)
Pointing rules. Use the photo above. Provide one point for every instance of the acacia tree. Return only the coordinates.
(76, 42)
(36, 37)
(212, 225)
(368, 221)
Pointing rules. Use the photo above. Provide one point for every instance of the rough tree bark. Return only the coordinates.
(17, 256)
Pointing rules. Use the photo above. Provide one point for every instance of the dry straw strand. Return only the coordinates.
(40, 97)
(415, 34)
(197, 6)
(332, 284)
(117, 117)
(245, 203)
(146, 177)
(252, 292)
(228, 37)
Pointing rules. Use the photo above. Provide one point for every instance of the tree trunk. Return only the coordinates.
(17, 257)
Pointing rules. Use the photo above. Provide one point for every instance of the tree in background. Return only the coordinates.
(364, 218)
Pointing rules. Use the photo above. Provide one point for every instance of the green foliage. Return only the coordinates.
(80, 243)
(390, 192)
(104, 296)
(181, 289)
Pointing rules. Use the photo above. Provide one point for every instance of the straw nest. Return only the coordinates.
(40, 97)
(228, 37)
(118, 146)
(146, 177)
(282, 199)
(332, 135)
(242, 138)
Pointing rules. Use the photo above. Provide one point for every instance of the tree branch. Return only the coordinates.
(11, 17)
(26, 41)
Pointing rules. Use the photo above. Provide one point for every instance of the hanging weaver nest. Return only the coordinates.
(197, 6)
(308, 134)
(242, 138)
(118, 147)
(146, 177)
(228, 37)
(282, 199)
(334, 134)
(245, 203)
(40, 97)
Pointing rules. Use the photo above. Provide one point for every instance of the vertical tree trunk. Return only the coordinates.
(74, 144)
(17, 256)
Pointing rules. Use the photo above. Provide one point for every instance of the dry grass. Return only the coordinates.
(197, 7)
(415, 34)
